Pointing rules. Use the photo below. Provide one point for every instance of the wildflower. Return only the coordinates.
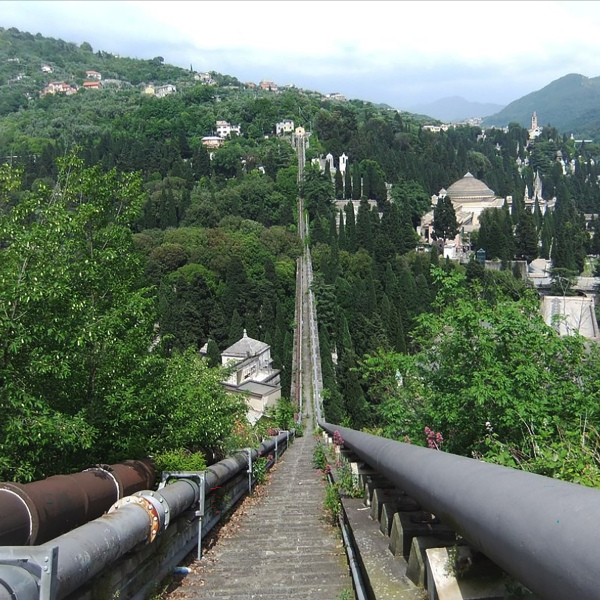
(434, 439)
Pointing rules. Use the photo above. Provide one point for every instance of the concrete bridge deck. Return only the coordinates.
(283, 547)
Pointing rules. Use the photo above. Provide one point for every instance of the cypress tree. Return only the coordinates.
(344, 342)
(526, 237)
(356, 182)
(212, 354)
(201, 163)
(350, 227)
(537, 214)
(342, 242)
(347, 183)
(357, 408)
(252, 326)
(339, 185)
(399, 343)
(236, 329)
(445, 224)
(219, 329)
(364, 235)
(546, 236)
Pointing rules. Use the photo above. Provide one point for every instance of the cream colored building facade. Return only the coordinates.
(252, 375)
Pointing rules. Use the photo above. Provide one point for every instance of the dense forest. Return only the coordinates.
(127, 246)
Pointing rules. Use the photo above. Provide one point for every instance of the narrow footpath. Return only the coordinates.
(283, 548)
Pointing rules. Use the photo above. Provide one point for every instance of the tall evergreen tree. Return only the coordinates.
(348, 183)
(339, 185)
(236, 328)
(526, 237)
(212, 354)
(364, 234)
(445, 224)
(350, 227)
(356, 182)
(342, 242)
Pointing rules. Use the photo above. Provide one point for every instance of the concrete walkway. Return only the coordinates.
(283, 547)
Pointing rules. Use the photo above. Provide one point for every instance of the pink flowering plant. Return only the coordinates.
(338, 440)
(434, 439)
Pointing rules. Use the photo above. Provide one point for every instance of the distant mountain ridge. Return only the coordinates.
(571, 104)
(456, 108)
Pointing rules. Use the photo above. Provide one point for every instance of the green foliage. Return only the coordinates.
(319, 460)
(77, 328)
(332, 504)
(284, 414)
(493, 365)
(445, 224)
(571, 455)
(179, 459)
(198, 412)
(259, 470)
(346, 482)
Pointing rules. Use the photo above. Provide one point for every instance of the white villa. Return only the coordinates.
(253, 375)
(224, 128)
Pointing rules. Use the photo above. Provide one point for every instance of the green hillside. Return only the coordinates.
(571, 104)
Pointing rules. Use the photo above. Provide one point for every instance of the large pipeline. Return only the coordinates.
(85, 552)
(542, 531)
(34, 513)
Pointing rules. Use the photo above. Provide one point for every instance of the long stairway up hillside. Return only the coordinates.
(283, 547)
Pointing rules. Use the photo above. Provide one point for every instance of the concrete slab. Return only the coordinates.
(481, 581)
(417, 561)
(405, 527)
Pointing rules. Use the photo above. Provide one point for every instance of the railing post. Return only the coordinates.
(249, 450)
(200, 478)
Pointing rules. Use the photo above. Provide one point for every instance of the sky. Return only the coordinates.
(404, 54)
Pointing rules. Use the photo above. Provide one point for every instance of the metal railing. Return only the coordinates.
(143, 522)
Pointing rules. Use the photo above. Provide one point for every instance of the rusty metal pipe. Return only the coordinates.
(34, 513)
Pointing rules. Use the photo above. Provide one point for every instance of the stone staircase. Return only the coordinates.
(282, 548)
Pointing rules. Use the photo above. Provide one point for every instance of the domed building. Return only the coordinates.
(470, 197)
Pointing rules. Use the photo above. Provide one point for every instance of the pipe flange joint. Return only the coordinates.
(160, 507)
(149, 509)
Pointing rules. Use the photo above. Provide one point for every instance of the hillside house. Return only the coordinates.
(335, 96)
(204, 78)
(212, 141)
(58, 87)
(92, 85)
(224, 128)
(165, 90)
(268, 86)
(47, 69)
(284, 127)
(252, 375)
(93, 75)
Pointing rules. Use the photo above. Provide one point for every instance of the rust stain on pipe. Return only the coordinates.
(34, 513)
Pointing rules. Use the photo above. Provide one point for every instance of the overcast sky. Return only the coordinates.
(400, 53)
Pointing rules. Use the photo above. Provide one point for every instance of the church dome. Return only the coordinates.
(470, 189)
